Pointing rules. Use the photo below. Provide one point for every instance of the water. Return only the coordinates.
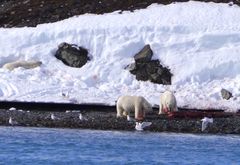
(65, 146)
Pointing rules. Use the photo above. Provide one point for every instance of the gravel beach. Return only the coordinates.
(107, 121)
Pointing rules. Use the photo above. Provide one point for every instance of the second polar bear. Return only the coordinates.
(137, 104)
(168, 103)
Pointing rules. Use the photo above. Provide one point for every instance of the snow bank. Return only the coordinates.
(199, 42)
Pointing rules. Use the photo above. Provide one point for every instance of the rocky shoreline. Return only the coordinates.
(101, 120)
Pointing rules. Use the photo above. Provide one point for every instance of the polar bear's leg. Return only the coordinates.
(160, 109)
(173, 105)
(119, 110)
(171, 108)
(139, 114)
(136, 112)
(161, 106)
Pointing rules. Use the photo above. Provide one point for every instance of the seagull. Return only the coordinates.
(141, 125)
(53, 117)
(12, 109)
(205, 122)
(81, 117)
(11, 122)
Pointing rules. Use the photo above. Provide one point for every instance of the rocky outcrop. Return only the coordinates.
(72, 55)
(226, 94)
(146, 69)
(145, 55)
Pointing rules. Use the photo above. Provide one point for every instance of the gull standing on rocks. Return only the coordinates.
(53, 117)
(81, 117)
(205, 122)
(12, 122)
(12, 109)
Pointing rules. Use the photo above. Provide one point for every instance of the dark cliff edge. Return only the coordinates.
(14, 13)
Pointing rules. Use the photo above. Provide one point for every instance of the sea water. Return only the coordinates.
(20, 145)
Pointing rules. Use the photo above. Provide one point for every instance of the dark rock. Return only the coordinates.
(226, 94)
(152, 66)
(156, 78)
(142, 74)
(166, 76)
(146, 69)
(144, 55)
(72, 55)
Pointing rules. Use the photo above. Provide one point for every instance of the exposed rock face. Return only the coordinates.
(72, 55)
(145, 55)
(226, 94)
(34, 12)
(146, 69)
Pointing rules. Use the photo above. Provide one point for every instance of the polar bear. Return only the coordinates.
(137, 104)
(168, 103)
(25, 64)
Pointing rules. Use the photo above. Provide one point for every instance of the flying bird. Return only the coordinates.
(205, 122)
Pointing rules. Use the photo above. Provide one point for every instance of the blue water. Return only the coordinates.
(65, 146)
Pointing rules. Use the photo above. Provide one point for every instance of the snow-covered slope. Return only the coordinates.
(199, 42)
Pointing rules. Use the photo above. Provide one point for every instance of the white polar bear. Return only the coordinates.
(137, 104)
(168, 103)
(24, 64)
